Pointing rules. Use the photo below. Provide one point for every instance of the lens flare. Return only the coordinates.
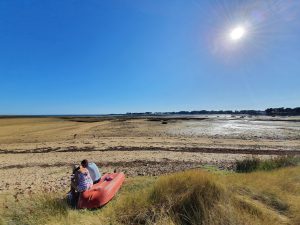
(243, 31)
(237, 33)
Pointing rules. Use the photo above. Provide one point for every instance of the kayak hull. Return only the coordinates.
(102, 192)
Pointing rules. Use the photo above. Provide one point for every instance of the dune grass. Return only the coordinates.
(198, 197)
(185, 198)
(52, 208)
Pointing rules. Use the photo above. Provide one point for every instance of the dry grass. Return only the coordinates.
(276, 192)
(185, 198)
(197, 197)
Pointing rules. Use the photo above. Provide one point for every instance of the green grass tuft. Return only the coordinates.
(255, 164)
(247, 165)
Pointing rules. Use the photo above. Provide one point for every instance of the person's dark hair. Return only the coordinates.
(75, 168)
(84, 163)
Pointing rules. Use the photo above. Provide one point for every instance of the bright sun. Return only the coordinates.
(237, 33)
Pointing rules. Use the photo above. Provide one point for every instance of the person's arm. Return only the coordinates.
(98, 171)
(74, 181)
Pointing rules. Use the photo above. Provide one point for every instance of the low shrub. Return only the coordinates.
(279, 162)
(254, 164)
(247, 165)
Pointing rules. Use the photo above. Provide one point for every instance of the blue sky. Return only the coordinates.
(90, 57)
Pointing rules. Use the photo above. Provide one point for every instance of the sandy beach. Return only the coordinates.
(37, 153)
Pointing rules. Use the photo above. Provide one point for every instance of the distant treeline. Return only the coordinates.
(269, 112)
(249, 112)
(203, 112)
(283, 111)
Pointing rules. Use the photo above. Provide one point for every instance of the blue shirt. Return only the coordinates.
(94, 171)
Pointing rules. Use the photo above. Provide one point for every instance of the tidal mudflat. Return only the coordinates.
(37, 153)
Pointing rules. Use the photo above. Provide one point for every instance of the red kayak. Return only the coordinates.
(102, 192)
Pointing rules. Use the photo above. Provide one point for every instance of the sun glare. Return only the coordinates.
(237, 33)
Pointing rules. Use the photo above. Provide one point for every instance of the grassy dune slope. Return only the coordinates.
(191, 197)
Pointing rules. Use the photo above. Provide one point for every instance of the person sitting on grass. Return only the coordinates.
(80, 182)
(93, 170)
